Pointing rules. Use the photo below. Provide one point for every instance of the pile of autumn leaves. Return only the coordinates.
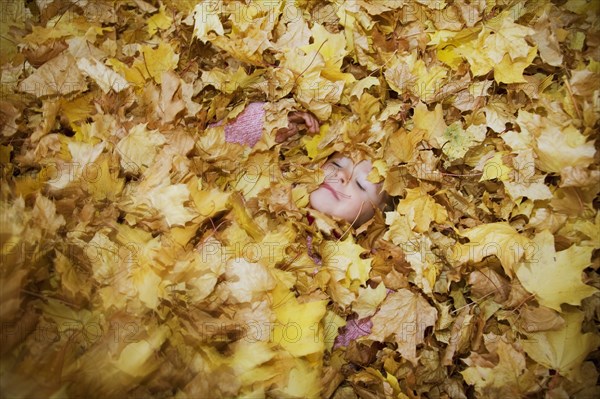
(144, 255)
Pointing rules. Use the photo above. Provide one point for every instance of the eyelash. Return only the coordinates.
(357, 182)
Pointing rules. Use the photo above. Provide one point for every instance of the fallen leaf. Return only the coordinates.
(555, 277)
(104, 77)
(499, 239)
(60, 75)
(403, 317)
(563, 350)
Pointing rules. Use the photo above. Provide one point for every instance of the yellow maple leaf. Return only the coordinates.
(101, 179)
(303, 380)
(66, 317)
(58, 27)
(72, 281)
(150, 64)
(170, 201)
(251, 26)
(399, 74)
(105, 78)
(271, 249)
(402, 145)
(248, 361)
(363, 84)
(369, 300)
(431, 122)
(429, 80)
(524, 182)
(562, 350)
(257, 174)
(501, 47)
(228, 81)
(448, 42)
(457, 141)
(132, 75)
(148, 285)
(243, 218)
(77, 109)
(508, 38)
(508, 377)
(312, 90)
(246, 282)
(206, 20)
(207, 202)
(495, 168)
(297, 34)
(555, 277)
(480, 63)
(510, 70)
(139, 148)
(18, 15)
(332, 46)
(155, 61)
(203, 269)
(158, 21)
(557, 146)
(101, 252)
(422, 260)
(344, 257)
(589, 228)
(297, 329)
(400, 230)
(312, 143)
(422, 209)
(497, 114)
(500, 239)
(136, 359)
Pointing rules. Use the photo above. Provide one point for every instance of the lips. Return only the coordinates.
(328, 187)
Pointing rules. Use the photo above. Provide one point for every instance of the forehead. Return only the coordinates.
(361, 166)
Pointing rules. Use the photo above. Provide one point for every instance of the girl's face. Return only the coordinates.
(346, 193)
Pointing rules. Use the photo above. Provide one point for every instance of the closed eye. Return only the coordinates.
(360, 186)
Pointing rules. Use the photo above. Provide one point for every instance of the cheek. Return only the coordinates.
(318, 200)
(363, 205)
(355, 205)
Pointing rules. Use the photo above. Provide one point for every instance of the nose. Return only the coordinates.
(343, 175)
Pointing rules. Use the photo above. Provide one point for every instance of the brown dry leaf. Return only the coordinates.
(506, 376)
(487, 282)
(532, 319)
(60, 75)
(403, 318)
(461, 334)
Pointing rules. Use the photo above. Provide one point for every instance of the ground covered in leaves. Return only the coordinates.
(143, 256)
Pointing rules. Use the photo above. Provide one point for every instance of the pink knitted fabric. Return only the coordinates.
(354, 328)
(247, 127)
(311, 252)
